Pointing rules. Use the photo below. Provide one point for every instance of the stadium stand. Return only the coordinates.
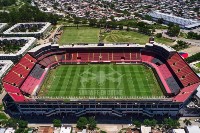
(20, 71)
(37, 71)
(182, 70)
(185, 93)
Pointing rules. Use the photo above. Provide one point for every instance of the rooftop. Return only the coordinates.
(44, 27)
(29, 41)
(4, 66)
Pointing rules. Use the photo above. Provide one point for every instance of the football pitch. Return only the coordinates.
(80, 35)
(101, 81)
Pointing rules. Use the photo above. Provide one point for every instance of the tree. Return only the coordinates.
(92, 22)
(82, 123)
(160, 20)
(159, 35)
(147, 122)
(19, 130)
(137, 123)
(194, 57)
(187, 122)
(11, 123)
(170, 123)
(56, 123)
(23, 124)
(153, 123)
(76, 21)
(92, 123)
(173, 30)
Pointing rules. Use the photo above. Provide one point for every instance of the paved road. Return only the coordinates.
(46, 40)
(2, 95)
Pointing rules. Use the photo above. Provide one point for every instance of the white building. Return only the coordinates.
(178, 131)
(28, 43)
(192, 129)
(182, 22)
(145, 129)
(5, 65)
(65, 129)
(3, 26)
(10, 130)
(41, 33)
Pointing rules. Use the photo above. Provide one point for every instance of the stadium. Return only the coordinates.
(114, 79)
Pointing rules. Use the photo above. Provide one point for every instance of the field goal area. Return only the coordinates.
(101, 81)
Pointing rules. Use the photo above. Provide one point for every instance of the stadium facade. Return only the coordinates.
(23, 81)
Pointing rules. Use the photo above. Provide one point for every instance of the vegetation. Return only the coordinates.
(80, 35)
(56, 123)
(92, 123)
(137, 123)
(198, 65)
(170, 123)
(3, 117)
(10, 48)
(19, 125)
(59, 82)
(180, 45)
(82, 123)
(193, 58)
(27, 13)
(187, 122)
(151, 123)
(117, 36)
(173, 30)
(193, 35)
(7, 2)
(159, 35)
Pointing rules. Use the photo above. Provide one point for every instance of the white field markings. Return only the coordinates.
(68, 77)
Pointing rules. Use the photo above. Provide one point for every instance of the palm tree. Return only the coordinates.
(187, 122)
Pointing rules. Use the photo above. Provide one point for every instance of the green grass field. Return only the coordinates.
(100, 81)
(198, 65)
(130, 37)
(80, 35)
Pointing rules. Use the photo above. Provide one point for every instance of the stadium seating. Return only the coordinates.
(20, 71)
(169, 82)
(17, 97)
(185, 93)
(37, 71)
(182, 70)
(147, 56)
(11, 89)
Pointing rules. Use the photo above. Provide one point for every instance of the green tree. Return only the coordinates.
(137, 123)
(82, 123)
(170, 123)
(77, 21)
(92, 22)
(173, 30)
(56, 123)
(187, 122)
(147, 122)
(159, 35)
(160, 20)
(92, 123)
(153, 123)
(20, 130)
(23, 124)
(194, 57)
